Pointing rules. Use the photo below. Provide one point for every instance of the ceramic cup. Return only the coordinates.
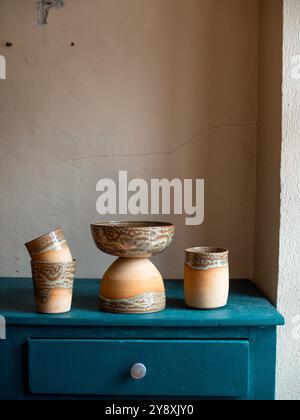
(53, 286)
(51, 248)
(206, 277)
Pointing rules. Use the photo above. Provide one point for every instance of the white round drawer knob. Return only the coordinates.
(138, 371)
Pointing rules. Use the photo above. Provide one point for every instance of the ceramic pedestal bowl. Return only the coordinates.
(132, 285)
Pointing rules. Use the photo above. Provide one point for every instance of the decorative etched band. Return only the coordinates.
(146, 303)
(53, 241)
(47, 277)
(133, 239)
(206, 258)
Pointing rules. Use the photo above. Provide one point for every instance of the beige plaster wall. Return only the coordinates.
(161, 88)
(289, 262)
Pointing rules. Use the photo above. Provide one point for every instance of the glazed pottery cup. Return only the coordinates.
(206, 278)
(53, 286)
(51, 248)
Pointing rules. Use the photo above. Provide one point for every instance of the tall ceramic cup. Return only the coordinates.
(53, 286)
(51, 248)
(206, 277)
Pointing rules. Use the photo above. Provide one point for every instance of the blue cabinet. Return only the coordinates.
(225, 353)
(207, 368)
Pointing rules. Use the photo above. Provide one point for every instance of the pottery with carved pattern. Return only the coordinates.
(51, 248)
(132, 284)
(53, 286)
(206, 277)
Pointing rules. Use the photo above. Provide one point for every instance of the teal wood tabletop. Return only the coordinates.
(247, 307)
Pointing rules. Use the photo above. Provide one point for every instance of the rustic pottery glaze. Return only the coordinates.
(53, 286)
(51, 248)
(206, 278)
(132, 285)
(133, 239)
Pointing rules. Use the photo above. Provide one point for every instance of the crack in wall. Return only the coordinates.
(186, 143)
(44, 7)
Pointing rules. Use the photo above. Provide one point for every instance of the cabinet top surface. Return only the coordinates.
(247, 307)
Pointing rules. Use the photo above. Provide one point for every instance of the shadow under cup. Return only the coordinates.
(53, 286)
(206, 277)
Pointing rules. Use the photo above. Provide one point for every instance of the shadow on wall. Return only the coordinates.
(269, 147)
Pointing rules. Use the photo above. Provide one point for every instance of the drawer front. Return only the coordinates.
(174, 368)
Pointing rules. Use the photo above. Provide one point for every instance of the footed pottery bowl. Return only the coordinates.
(133, 239)
(132, 285)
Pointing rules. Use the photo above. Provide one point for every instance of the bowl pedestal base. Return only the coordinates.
(132, 286)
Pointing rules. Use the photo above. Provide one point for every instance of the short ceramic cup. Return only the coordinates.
(53, 286)
(206, 277)
(51, 248)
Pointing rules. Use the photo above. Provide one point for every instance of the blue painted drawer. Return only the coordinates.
(174, 368)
